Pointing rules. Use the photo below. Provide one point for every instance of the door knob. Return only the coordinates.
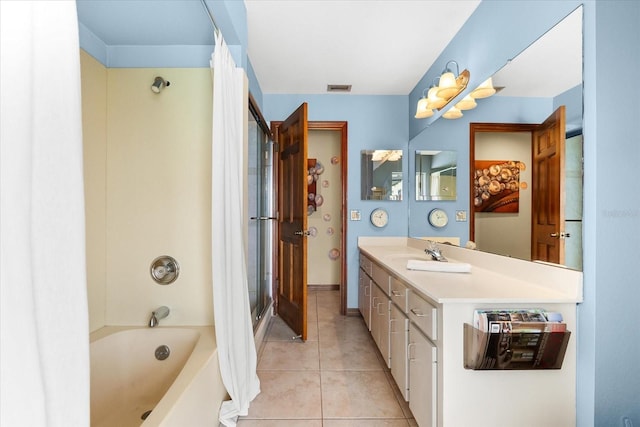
(302, 233)
(561, 235)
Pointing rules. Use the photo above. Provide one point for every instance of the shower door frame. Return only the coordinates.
(264, 217)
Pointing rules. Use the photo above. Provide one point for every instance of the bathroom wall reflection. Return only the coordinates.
(436, 175)
(381, 175)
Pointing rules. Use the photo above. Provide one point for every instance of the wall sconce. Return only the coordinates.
(158, 84)
(449, 86)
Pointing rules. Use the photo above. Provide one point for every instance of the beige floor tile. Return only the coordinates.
(365, 423)
(280, 423)
(349, 355)
(279, 331)
(287, 395)
(349, 394)
(345, 328)
(289, 355)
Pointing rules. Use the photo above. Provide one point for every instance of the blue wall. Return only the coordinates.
(374, 122)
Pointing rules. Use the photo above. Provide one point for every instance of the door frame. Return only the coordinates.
(340, 126)
(488, 127)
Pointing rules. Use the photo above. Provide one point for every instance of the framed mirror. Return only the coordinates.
(436, 175)
(381, 175)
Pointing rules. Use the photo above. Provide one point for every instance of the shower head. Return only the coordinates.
(158, 84)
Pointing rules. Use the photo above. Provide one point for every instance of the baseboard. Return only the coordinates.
(323, 287)
(353, 312)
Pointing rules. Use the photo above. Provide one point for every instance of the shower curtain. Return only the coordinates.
(232, 313)
(44, 351)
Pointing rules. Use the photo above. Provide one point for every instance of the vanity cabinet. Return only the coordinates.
(398, 347)
(380, 321)
(364, 290)
(428, 313)
(423, 374)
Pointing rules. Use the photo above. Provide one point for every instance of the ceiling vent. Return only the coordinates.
(338, 88)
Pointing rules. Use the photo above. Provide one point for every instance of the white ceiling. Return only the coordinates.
(379, 47)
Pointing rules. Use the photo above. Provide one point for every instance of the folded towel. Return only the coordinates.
(445, 267)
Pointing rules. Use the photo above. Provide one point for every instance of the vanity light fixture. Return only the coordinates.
(450, 86)
(485, 90)
(423, 111)
(453, 113)
(158, 84)
(467, 103)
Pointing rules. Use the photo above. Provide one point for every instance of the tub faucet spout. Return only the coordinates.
(157, 315)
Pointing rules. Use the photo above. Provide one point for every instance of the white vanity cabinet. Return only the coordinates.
(380, 305)
(380, 321)
(364, 290)
(423, 374)
(398, 346)
(428, 314)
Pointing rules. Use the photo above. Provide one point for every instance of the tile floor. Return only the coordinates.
(335, 379)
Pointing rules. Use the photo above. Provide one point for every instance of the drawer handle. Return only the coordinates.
(395, 293)
(409, 356)
(417, 313)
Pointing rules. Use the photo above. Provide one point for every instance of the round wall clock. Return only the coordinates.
(438, 218)
(379, 217)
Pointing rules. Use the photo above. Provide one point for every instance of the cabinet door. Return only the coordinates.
(364, 297)
(380, 321)
(423, 382)
(399, 339)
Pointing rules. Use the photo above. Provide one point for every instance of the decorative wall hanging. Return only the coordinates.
(335, 160)
(497, 185)
(311, 186)
(334, 254)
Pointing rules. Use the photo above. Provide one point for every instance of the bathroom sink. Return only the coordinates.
(408, 256)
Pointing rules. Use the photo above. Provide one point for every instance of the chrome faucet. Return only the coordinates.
(157, 315)
(433, 250)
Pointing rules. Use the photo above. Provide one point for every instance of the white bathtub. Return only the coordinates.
(127, 380)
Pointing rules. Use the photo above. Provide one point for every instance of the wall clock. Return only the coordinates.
(379, 217)
(438, 218)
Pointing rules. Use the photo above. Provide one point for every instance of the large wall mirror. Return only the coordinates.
(517, 207)
(436, 175)
(381, 175)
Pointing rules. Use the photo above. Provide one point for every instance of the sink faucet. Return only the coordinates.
(433, 250)
(159, 313)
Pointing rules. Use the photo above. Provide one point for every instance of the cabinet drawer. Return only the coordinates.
(365, 264)
(399, 294)
(424, 315)
(381, 278)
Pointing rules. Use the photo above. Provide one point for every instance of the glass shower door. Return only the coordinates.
(262, 216)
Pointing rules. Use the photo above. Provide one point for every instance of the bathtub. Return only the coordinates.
(127, 380)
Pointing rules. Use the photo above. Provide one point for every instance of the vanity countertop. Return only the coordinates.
(493, 278)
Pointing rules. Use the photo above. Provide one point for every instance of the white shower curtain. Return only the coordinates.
(232, 313)
(44, 332)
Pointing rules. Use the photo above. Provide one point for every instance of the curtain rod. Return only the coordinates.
(215, 27)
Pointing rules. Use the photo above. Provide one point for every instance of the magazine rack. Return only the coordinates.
(513, 350)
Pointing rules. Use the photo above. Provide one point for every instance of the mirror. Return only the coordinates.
(504, 220)
(436, 174)
(381, 175)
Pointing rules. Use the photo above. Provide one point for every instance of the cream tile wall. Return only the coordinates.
(147, 178)
(94, 120)
(158, 194)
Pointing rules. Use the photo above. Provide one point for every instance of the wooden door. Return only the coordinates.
(548, 190)
(292, 208)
